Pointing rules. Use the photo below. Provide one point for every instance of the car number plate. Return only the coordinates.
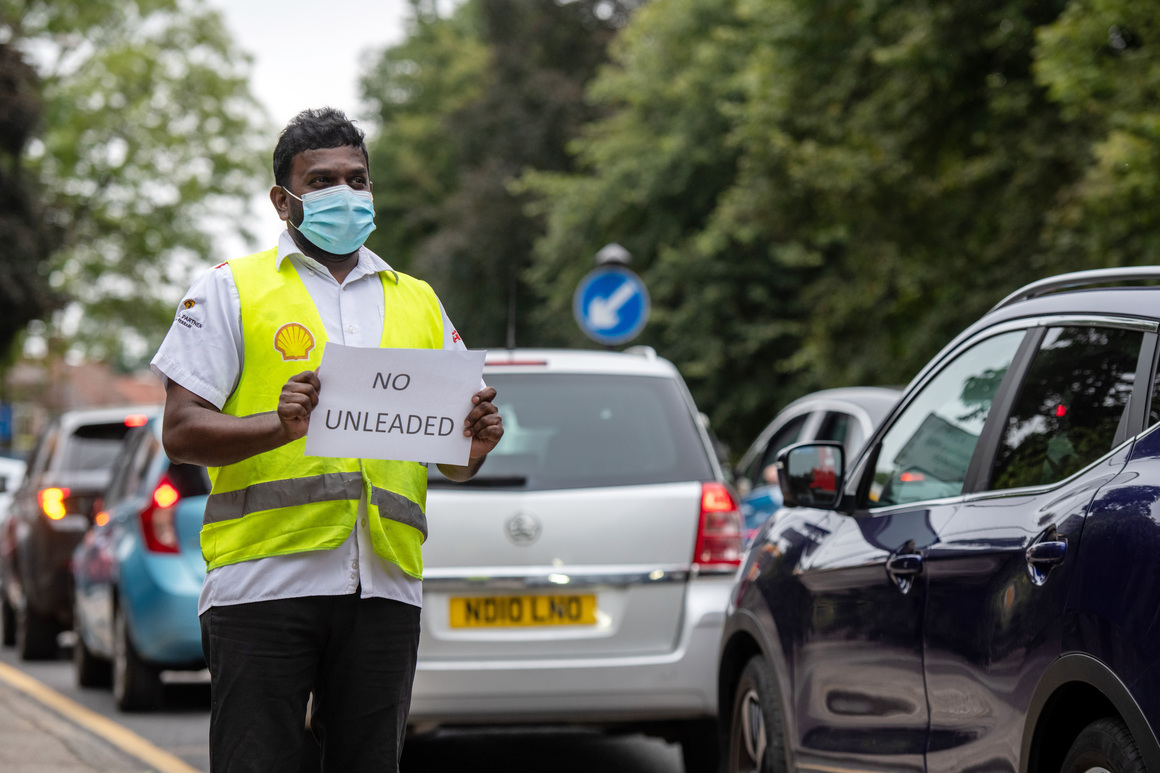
(513, 611)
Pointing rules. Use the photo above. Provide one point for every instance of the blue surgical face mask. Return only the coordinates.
(337, 219)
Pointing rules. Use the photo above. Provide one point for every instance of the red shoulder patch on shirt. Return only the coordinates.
(455, 336)
(219, 265)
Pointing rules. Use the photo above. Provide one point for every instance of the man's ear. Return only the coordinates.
(281, 201)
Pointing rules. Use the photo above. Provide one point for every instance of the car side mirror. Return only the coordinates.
(811, 475)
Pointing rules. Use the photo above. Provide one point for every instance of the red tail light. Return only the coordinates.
(52, 502)
(719, 544)
(158, 519)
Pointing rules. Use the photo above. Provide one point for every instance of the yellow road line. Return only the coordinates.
(116, 734)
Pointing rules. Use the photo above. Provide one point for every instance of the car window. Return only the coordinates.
(842, 428)
(584, 430)
(43, 451)
(1154, 406)
(1069, 406)
(92, 447)
(138, 480)
(122, 465)
(764, 471)
(926, 451)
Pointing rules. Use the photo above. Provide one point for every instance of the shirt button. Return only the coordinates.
(350, 329)
(311, 272)
(364, 521)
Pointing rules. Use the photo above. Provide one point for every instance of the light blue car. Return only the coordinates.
(138, 573)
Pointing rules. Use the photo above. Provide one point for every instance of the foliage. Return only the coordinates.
(468, 102)
(1101, 62)
(822, 192)
(24, 291)
(149, 146)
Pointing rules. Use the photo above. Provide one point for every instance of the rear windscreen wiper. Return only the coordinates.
(481, 481)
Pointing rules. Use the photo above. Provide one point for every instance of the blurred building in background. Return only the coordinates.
(34, 390)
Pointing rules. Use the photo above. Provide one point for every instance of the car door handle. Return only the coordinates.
(1047, 554)
(906, 565)
(1042, 556)
(903, 569)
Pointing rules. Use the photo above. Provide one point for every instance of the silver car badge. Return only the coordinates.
(522, 528)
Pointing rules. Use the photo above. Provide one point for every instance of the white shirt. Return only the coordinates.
(203, 352)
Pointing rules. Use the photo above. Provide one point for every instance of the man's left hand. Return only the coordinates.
(484, 425)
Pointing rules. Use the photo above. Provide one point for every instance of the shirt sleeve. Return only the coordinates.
(203, 349)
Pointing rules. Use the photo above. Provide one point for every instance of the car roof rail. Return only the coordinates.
(1078, 279)
(639, 350)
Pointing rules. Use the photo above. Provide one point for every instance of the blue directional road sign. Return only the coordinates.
(611, 305)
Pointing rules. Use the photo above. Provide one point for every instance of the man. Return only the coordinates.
(314, 565)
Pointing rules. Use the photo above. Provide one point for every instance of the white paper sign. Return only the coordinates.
(403, 404)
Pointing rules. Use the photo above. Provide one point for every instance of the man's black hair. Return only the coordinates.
(312, 130)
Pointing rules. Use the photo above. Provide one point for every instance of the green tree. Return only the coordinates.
(150, 146)
(467, 103)
(24, 290)
(1101, 62)
(821, 193)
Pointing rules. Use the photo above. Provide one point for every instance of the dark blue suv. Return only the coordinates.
(979, 590)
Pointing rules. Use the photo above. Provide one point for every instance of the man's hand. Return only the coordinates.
(485, 428)
(484, 425)
(298, 398)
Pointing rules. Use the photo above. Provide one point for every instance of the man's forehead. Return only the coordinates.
(345, 156)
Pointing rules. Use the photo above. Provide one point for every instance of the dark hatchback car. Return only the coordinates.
(979, 589)
(68, 471)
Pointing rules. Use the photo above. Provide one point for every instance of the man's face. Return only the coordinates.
(314, 170)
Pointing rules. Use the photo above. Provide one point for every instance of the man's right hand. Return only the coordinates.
(299, 396)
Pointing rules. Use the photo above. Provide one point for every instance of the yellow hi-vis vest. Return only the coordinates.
(282, 501)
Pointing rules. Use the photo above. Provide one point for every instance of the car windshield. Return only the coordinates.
(580, 431)
(93, 446)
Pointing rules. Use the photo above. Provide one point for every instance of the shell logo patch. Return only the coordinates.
(293, 341)
(188, 303)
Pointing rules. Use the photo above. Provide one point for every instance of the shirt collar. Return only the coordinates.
(368, 262)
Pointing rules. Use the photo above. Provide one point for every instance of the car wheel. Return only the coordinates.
(91, 671)
(1104, 746)
(699, 746)
(756, 741)
(7, 621)
(136, 684)
(35, 635)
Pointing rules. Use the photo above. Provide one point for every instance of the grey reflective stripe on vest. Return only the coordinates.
(397, 507)
(304, 491)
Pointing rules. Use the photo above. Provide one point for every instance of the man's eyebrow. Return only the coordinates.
(330, 170)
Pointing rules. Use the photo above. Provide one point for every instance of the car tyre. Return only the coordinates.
(1104, 746)
(91, 671)
(136, 684)
(35, 635)
(756, 741)
(7, 621)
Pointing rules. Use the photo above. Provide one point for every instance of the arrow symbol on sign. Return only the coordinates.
(604, 313)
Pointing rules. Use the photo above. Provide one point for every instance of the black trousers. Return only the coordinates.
(356, 655)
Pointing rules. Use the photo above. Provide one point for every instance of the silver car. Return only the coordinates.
(848, 415)
(582, 576)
